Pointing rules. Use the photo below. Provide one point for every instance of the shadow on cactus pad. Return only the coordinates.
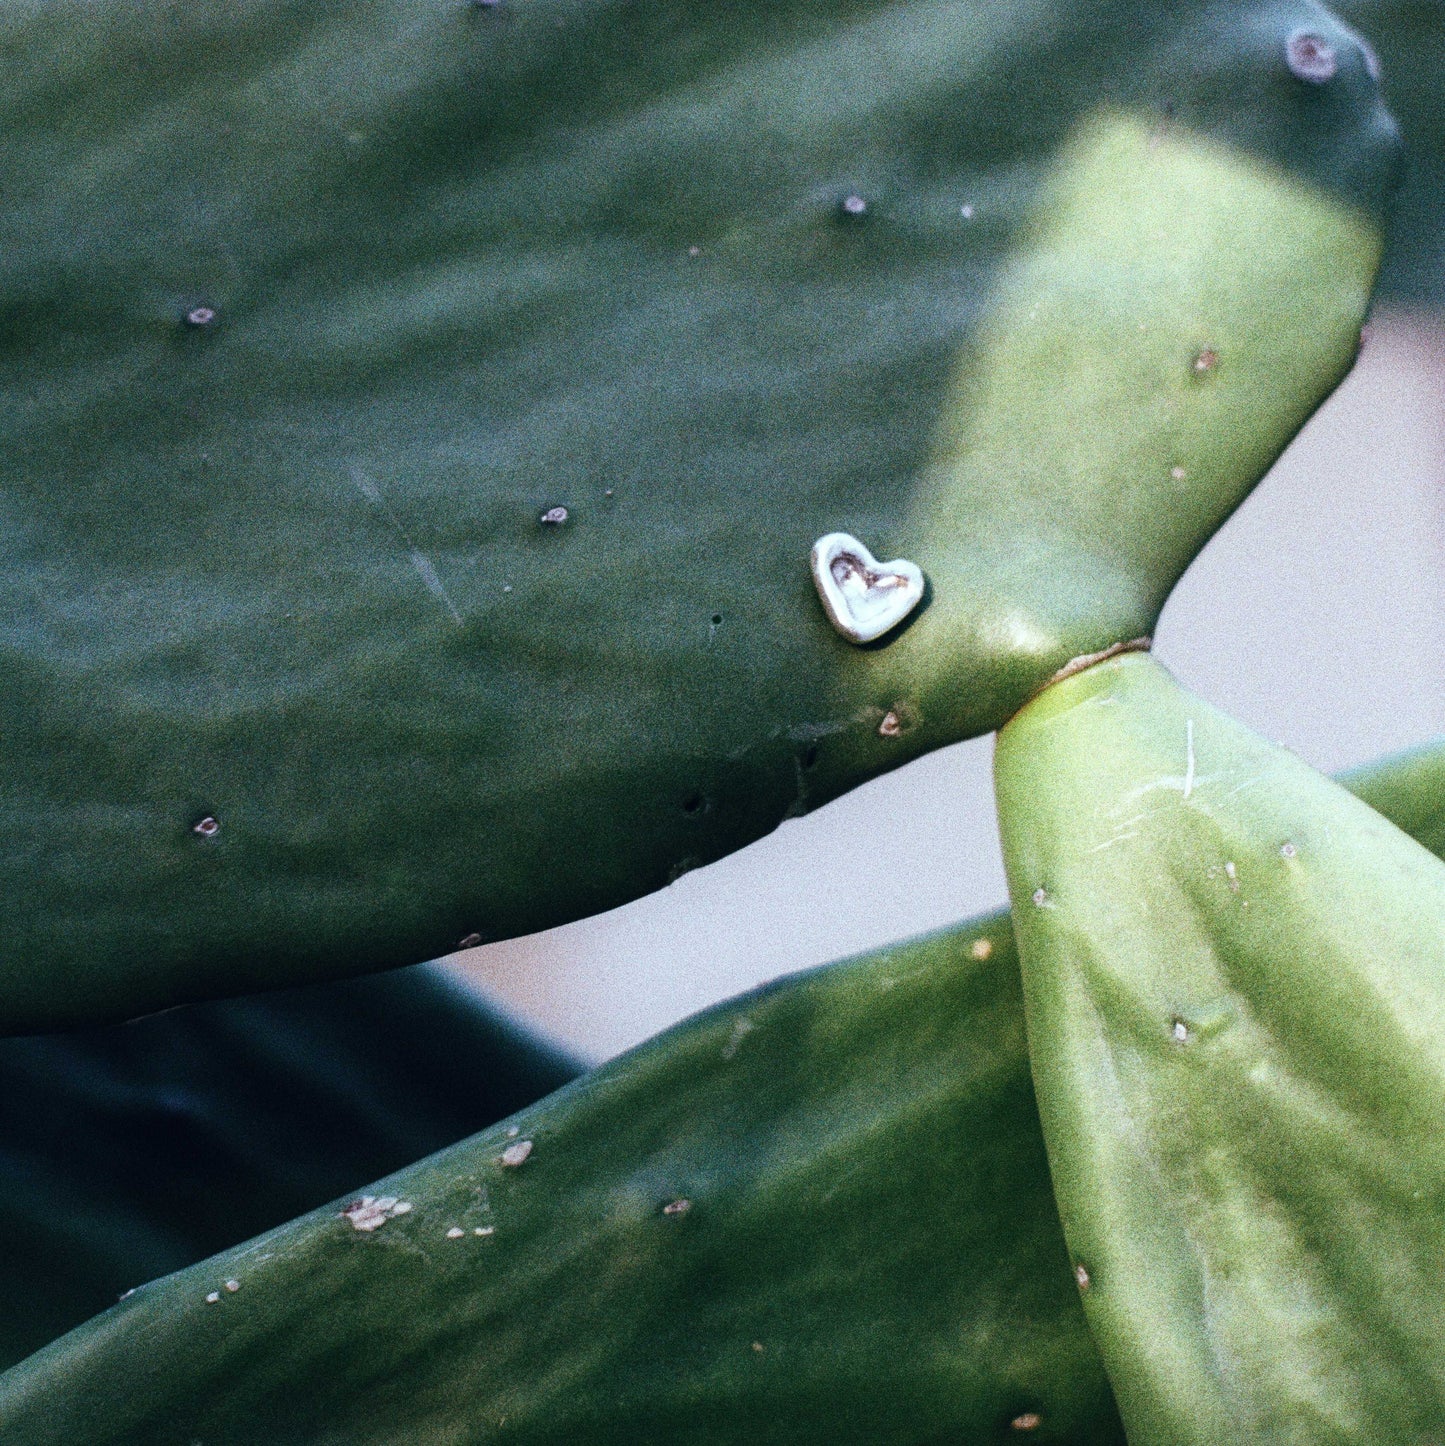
(132, 1150)
(1409, 36)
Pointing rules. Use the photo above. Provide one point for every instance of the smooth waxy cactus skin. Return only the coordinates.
(134, 1150)
(1410, 789)
(1234, 977)
(817, 1213)
(1170, 429)
(1409, 37)
(313, 314)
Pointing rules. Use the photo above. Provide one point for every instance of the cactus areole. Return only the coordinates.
(417, 420)
(1234, 982)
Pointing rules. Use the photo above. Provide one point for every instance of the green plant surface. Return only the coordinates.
(1409, 789)
(819, 1212)
(1409, 36)
(134, 1150)
(1234, 977)
(869, 1203)
(313, 313)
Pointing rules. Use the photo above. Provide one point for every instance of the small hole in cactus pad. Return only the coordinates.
(897, 721)
(207, 827)
(810, 756)
(1311, 57)
(693, 804)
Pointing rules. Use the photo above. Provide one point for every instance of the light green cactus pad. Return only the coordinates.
(418, 418)
(1234, 977)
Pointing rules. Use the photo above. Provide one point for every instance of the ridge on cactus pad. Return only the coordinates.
(1234, 978)
(418, 418)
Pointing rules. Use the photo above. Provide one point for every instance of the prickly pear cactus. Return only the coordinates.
(1409, 789)
(1234, 977)
(861, 1161)
(1409, 38)
(820, 1212)
(136, 1149)
(418, 418)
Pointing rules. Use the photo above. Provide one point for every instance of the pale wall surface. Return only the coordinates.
(1317, 616)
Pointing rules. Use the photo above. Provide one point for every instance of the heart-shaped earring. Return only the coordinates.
(863, 597)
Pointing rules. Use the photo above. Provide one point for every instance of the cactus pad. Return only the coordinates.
(418, 418)
(1234, 977)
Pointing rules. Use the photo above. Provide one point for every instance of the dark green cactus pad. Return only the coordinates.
(954, 1006)
(131, 1151)
(417, 418)
(1409, 38)
(819, 1212)
(1234, 975)
(1409, 789)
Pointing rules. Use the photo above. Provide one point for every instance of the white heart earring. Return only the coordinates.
(864, 598)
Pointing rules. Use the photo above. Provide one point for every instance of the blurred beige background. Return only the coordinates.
(1317, 616)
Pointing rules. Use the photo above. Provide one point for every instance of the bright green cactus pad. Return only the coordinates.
(1234, 975)
(314, 314)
